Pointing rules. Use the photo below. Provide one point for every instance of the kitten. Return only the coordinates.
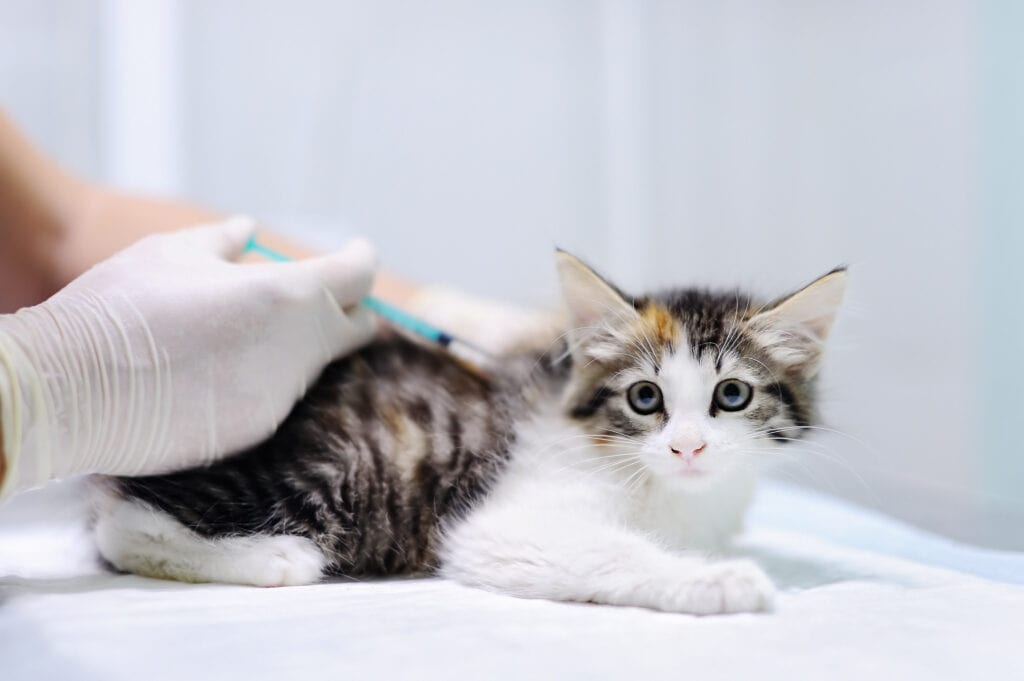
(601, 471)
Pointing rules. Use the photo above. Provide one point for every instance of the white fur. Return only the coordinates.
(137, 538)
(563, 525)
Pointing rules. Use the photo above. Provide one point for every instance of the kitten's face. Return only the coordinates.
(696, 385)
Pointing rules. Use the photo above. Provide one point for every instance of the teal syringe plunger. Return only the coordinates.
(462, 349)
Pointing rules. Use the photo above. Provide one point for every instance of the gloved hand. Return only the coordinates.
(169, 355)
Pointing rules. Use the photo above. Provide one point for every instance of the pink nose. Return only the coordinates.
(688, 450)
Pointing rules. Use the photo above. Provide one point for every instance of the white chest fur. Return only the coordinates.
(556, 465)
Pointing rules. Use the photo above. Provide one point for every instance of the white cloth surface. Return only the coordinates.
(862, 597)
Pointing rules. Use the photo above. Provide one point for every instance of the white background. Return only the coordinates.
(719, 142)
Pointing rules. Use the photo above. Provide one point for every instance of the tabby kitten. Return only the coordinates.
(601, 471)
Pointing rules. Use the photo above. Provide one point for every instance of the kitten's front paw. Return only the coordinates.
(733, 586)
(284, 560)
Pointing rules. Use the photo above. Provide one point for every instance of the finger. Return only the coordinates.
(362, 326)
(227, 239)
(345, 332)
(347, 274)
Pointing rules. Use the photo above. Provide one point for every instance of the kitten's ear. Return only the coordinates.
(794, 328)
(590, 298)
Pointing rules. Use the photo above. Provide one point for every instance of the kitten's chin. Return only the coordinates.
(694, 478)
(695, 481)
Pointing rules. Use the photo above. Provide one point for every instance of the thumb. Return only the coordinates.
(347, 274)
(227, 239)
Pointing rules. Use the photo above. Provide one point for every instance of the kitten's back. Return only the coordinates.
(388, 444)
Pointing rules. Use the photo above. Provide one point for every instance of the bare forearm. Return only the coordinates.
(109, 221)
(36, 201)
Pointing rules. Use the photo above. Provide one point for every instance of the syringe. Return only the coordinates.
(459, 348)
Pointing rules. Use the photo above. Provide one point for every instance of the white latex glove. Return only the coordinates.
(169, 355)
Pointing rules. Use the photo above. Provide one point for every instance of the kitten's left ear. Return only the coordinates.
(600, 313)
(589, 296)
(794, 328)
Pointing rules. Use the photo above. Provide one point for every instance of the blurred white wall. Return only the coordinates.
(718, 142)
(50, 79)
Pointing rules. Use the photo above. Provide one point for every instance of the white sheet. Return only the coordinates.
(854, 606)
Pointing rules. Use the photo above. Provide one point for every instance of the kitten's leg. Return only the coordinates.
(136, 538)
(539, 556)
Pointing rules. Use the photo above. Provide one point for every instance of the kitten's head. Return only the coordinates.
(694, 382)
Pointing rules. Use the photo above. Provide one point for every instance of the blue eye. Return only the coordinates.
(644, 397)
(733, 395)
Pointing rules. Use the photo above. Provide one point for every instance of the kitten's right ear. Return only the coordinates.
(590, 297)
(793, 329)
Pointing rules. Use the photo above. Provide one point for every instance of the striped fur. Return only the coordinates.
(389, 442)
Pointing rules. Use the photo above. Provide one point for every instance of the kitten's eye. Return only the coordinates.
(644, 397)
(733, 395)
